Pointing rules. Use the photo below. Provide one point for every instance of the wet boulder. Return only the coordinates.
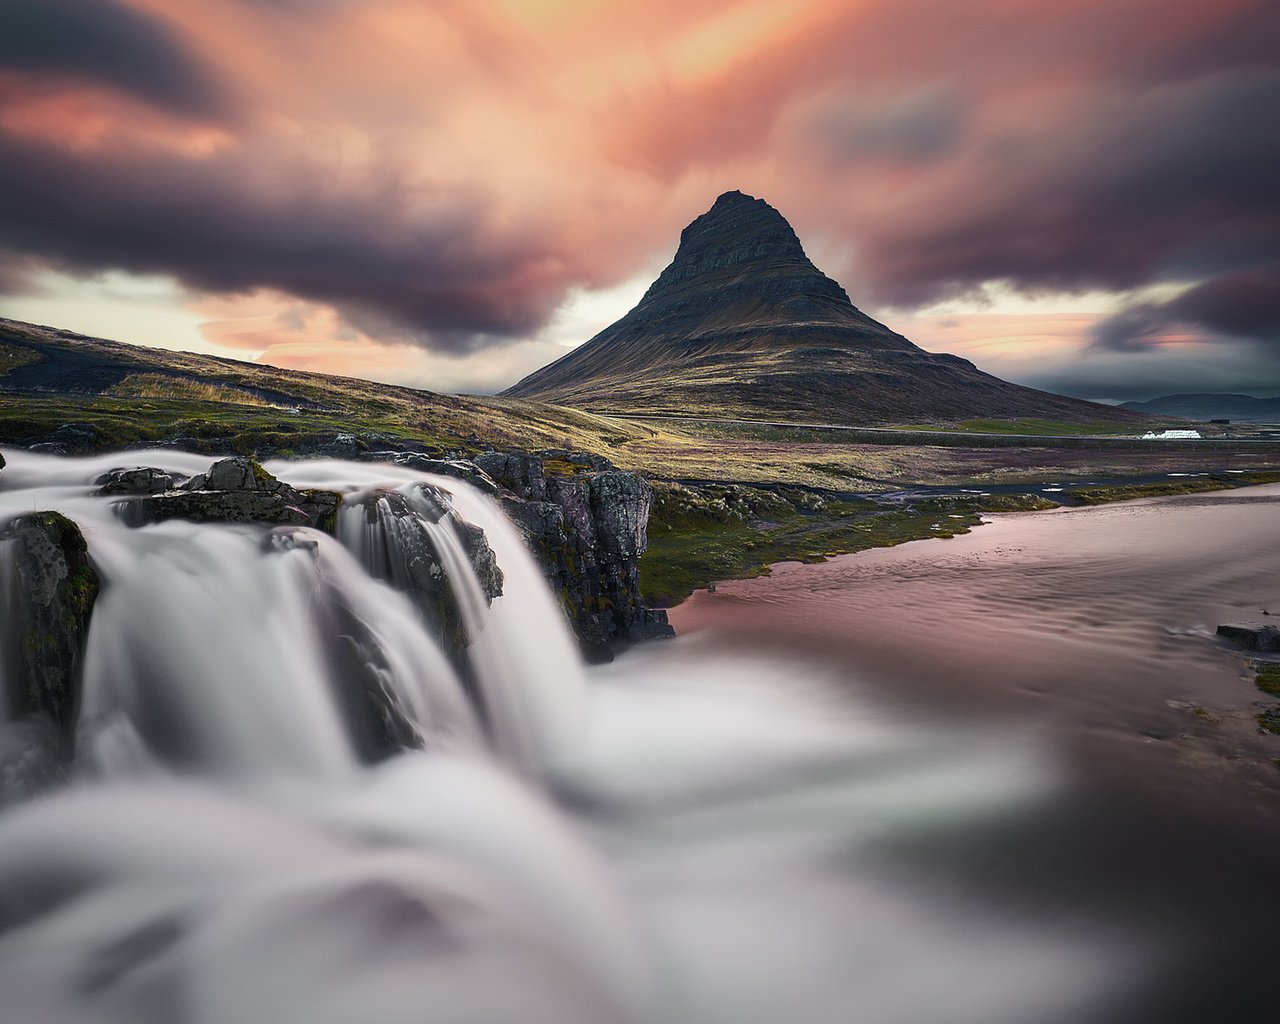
(33, 759)
(134, 480)
(377, 720)
(1253, 636)
(459, 469)
(50, 592)
(234, 490)
(409, 539)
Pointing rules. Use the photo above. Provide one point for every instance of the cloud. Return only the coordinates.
(451, 268)
(1246, 304)
(444, 176)
(916, 126)
(1242, 307)
(107, 43)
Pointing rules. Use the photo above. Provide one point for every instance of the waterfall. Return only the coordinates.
(232, 647)
(298, 793)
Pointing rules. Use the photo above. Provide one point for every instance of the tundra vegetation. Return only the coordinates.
(730, 498)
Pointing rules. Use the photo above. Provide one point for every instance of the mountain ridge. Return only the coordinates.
(1209, 405)
(741, 322)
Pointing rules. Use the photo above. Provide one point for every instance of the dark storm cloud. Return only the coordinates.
(1176, 182)
(108, 43)
(447, 271)
(1246, 304)
(1227, 310)
(510, 155)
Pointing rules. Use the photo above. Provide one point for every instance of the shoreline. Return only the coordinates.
(1098, 624)
(716, 533)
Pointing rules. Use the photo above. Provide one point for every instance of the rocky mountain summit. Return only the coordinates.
(742, 324)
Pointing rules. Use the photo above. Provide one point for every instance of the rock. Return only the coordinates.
(520, 474)
(1253, 636)
(51, 592)
(460, 469)
(588, 536)
(400, 548)
(134, 480)
(342, 446)
(378, 724)
(78, 437)
(234, 490)
(577, 460)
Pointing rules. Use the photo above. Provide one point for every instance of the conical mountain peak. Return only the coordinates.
(741, 232)
(742, 324)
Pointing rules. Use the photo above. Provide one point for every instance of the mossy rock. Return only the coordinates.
(56, 586)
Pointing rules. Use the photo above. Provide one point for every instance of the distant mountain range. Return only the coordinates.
(742, 324)
(1212, 407)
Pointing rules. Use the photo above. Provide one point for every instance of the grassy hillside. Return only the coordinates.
(133, 394)
(731, 498)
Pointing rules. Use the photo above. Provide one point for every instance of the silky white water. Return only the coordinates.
(689, 834)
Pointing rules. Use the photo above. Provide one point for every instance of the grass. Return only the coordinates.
(12, 356)
(701, 535)
(1168, 488)
(159, 385)
(753, 494)
(1038, 427)
(1267, 677)
(712, 532)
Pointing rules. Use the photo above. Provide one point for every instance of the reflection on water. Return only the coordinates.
(918, 786)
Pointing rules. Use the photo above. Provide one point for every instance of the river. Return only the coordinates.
(958, 781)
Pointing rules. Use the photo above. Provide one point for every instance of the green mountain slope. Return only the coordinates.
(742, 324)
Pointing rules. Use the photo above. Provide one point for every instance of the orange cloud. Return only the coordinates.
(444, 174)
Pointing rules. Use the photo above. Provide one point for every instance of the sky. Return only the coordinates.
(1080, 195)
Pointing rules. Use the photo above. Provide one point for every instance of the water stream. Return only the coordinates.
(708, 830)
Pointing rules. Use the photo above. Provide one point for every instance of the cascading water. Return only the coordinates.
(687, 836)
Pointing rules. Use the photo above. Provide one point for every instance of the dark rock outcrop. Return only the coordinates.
(135, 480)
(520, 474)
(587, 530)
(1253, 636)
(50, 595)
(377, 722)
(234, 490)
(400, 548)
(459, 469)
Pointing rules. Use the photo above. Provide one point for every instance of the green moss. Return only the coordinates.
(560, 467)
(698, 535)
(1166, 488)
(328, 522)
(1035, 427)
(260, 475)
(1269, 720)
(1267, 677)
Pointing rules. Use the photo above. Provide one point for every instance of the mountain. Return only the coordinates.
(1212, 407)
(742, 324)
(83, 393)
